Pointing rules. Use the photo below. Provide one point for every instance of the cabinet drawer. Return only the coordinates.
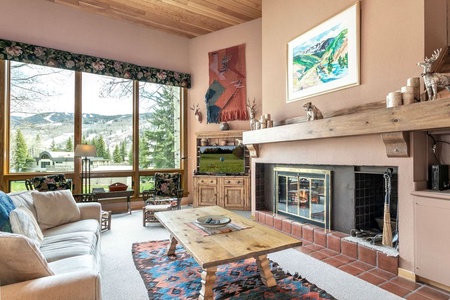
(233, 181)
(207, 181)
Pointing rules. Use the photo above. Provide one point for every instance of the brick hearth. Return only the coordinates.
(313, 236)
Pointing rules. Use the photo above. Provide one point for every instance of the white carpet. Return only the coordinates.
(121, 280)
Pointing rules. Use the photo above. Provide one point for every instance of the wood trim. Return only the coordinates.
(3, 125)
(433, 283)
(397, 143)
(403, 273)
(421, 116)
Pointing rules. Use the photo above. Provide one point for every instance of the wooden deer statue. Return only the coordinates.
(197, 112)
(252, 112)
(433, 80)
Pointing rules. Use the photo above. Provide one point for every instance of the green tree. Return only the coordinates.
(123, 150)
(53, 146)
(20, 152)
(100, 144)
(69, 145)
(159, 142)
(117, 157)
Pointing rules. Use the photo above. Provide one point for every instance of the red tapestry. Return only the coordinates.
(226, 95)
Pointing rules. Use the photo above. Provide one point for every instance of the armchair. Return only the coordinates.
(166, 195)
(48, 183)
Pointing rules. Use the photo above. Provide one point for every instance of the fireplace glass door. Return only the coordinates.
(304, 194)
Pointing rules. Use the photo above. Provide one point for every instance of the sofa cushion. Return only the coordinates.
(55, 208)
(74, 264)
(6, 206)
(89, 225)
(21, 260)
(23, 222)
(68, 245)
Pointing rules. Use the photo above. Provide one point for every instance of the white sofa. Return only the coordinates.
(59, 261)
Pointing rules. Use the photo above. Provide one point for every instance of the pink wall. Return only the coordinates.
(392, 42)
(48, 24)
(249, 34)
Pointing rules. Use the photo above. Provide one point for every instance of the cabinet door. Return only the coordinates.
(234, 197)
(234, 193)
(432, 244)
(206, 195)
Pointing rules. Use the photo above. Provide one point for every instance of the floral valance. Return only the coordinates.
(32, 54)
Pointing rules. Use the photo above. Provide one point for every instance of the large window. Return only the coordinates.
(41, 119)
(52, 110)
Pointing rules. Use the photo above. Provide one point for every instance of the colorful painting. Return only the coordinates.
(226, 95)
(326, 58)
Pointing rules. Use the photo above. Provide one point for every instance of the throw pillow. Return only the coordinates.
(6, 206)
(21, 260)
(23, 222)
(55, 208)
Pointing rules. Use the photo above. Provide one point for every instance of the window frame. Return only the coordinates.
(135, 173)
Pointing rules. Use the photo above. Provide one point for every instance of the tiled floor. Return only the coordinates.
(367, 264)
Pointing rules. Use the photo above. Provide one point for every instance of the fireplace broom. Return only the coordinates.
(387, 230)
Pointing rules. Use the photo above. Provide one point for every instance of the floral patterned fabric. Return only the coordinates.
(167, 184)
(167, 190)
(51, 183)
(10, 50)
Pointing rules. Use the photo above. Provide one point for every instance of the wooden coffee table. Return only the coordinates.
(210, 251)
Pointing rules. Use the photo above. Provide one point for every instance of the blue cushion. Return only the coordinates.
(6, 206)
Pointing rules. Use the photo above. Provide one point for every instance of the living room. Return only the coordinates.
(395, 36)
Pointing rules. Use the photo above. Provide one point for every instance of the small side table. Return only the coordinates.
(106, 220)
(115, 194)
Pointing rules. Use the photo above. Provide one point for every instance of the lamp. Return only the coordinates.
(85, 150)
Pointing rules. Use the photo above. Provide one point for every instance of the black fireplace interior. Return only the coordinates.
(357, 196)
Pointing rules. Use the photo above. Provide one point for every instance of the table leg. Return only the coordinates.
(172, 246)
(266, 275)
(208, 279)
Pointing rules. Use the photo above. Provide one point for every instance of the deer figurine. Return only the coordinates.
(433, 80)
(197, 112)
(252, 112)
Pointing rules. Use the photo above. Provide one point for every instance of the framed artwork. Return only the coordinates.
(326, 58)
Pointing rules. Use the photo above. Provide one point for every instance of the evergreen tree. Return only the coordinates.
(53, 146)
(101, 147)
(130, 157)
(123, 150)
(160, 140)
(69, 145)
(20, 152)
(117, 157)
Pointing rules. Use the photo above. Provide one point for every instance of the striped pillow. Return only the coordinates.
(23, 222)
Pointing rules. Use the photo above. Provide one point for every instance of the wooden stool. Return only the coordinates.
(106, 220)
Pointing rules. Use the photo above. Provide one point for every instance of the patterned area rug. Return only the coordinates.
(178, 277)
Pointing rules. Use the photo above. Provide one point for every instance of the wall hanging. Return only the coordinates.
(225, 97)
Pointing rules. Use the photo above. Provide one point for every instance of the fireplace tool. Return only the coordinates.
(387, 230)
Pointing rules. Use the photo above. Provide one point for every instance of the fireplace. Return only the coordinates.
(303, 194)
(340, 198)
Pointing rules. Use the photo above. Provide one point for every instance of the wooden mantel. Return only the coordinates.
(392, 123)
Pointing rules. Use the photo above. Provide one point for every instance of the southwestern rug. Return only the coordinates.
(178, 277)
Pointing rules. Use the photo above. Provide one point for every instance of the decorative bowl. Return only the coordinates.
(116, 187)
(213, 221)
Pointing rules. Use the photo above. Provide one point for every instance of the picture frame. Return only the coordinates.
(325, 58)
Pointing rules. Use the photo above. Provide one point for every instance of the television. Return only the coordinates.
(221, 160)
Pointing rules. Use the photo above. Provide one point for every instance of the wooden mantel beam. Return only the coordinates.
(421, 116)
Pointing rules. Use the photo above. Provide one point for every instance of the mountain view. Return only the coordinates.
(53, 128)
(323, 61)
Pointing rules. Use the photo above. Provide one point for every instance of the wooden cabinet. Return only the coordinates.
(212, 186)
(230, 192)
